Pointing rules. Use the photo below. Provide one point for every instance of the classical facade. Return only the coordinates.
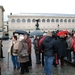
(47, 21)
(1, 21)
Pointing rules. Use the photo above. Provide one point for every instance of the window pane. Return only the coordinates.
(52, 20)
(28, 20)
(57, 20)
(18, 20)
(69, 20)
(48, 20)
(23, 20)
(33, 20)
(13, 20)
(65, 20)
(61, 20)
(39, 20)
(43, 20)
(73, 20)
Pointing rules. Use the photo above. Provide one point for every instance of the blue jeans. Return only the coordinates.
(48, 65)
(14, 61)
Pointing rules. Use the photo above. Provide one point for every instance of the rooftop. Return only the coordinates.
(43, 14)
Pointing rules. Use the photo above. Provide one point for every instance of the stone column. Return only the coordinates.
(2, 19)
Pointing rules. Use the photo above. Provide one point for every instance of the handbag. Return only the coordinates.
(24, 52)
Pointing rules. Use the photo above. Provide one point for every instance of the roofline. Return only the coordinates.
(42, 14)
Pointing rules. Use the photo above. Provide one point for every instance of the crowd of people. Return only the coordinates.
(49, 45)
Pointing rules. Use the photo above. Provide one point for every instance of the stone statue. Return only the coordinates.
(37, 25)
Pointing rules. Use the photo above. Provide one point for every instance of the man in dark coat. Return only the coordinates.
(48, 46)
(62, 48)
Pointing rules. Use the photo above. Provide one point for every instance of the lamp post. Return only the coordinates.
(58, 26)
(37, 25)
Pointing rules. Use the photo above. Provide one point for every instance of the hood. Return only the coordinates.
(48, 39)
(61, 39)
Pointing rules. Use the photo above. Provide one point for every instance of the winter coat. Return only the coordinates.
(48, 46)
(36, 45)
(69, 41)
(62, 47)
(29, 45)
(22, 45)
(15, 47)
(73, 44)
(40, 42)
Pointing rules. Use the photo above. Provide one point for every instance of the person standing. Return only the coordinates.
(36, 48)
(42, 51)
(62, 48)
(22, 59)
(48, 45)
(29, 49)
(73, 46)
(1, 52)
(13, 50)
(69, 49)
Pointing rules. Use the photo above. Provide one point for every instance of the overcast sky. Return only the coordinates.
(38, 6)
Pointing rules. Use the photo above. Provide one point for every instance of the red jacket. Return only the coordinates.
(40, 42)
(73, 43)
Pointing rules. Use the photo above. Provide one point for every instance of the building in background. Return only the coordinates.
(46, 22)
(1, 21)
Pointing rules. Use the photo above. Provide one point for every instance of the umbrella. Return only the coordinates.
(20, 32)
(63, 32)
(36, 32)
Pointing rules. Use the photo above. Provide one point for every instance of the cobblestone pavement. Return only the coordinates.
(36, 69)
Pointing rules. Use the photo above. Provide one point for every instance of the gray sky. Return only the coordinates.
(38, 6)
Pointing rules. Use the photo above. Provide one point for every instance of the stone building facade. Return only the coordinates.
(47, 21)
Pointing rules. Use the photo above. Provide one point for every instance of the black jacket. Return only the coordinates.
(62, 47)
(48, 46)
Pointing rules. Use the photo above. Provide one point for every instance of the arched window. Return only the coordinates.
(65, 20)
(73, 20)
(61, 20)
(57, 20)
(52, 20)
(69, 20)
(13, 20)
(23, 20)
(28, 20)
(39, 20)
(43, 20)
(48, 20)
(33, 20)
(18, 20)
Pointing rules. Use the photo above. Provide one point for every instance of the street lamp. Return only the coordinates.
(58, 26)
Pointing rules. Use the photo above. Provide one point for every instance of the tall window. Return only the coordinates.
(65, 20)
(73, 20)
(23, 20)
(43, 20)
(57, 20)
(13, 20)
(33, 20)
(52, 20)
(18, 20)
(48, 20)
(61, 20)
(28, 20)
(69, 20)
